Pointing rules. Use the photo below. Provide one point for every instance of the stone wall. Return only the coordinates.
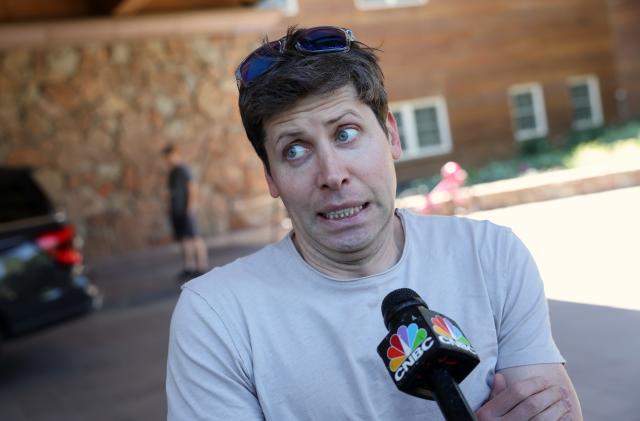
(92, 118)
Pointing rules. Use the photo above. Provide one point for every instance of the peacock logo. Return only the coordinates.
(406, 348)
(448, 333)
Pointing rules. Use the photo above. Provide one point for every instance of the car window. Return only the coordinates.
(20, 196)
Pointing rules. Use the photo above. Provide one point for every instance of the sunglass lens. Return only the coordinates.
(259, 62)
(256, 66)
(323, 40)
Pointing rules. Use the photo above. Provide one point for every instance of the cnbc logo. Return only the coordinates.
(449, 334)
(406, 347)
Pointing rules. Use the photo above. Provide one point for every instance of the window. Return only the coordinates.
(290, 7)
(527, 111)
(383, 4)
(423, 126)
(21, 196)
(585, 98)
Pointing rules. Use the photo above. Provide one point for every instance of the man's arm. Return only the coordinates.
(192, 196)
(531, 382)
(206, 377)
(539, 392)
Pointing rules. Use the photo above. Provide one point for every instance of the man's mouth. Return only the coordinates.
(343, 213)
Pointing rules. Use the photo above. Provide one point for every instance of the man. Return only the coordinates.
(290, 332)
(183, 204)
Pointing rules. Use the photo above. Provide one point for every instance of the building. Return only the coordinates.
(472, 81)
(89, 95)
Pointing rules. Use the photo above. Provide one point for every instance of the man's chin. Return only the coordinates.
(348, 244)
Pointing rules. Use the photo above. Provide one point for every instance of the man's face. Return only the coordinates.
(171, 158)
(332, 166)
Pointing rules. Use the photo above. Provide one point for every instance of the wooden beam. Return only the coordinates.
(109, 30)
(129, 7)
(32, 10)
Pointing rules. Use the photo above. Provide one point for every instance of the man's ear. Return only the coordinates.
(273, 189)
(394, 136)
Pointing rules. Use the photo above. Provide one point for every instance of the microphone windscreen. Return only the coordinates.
(397, 300)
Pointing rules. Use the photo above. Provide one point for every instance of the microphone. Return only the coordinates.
(426, 353)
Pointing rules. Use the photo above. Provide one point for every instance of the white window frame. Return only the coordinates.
(595, 102)
(539, 111)
(289, 9)
(388, 4)
(406, 109)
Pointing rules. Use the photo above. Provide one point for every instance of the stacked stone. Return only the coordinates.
(92, 120)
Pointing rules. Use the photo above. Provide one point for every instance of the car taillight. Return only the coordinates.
(59, 244)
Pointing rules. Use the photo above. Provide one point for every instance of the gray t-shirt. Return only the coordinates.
(268, 337)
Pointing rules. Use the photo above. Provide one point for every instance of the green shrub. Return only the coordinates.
(578, 137)
(534, 147)
(626, 131)
(599, 151)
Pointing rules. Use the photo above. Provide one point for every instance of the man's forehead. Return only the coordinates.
(326, 104)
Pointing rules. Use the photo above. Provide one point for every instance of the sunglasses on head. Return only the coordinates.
(318, 40)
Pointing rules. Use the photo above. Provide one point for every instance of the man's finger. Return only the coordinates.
(513, 395)
(549, 404)
(499, 384)
(555, 412)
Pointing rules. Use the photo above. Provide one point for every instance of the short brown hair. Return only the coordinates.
(299, 75)
(168, 149)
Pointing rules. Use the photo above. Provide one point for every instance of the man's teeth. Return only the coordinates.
(343, 213)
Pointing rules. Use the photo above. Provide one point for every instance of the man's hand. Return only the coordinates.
(530, 399)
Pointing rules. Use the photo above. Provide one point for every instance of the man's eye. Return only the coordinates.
(347, 135)
(294, 151)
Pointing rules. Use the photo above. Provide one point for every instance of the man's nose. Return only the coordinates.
(332, 171)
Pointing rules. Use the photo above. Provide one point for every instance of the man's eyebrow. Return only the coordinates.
(343, 115)
(297, 132)
(290, 133)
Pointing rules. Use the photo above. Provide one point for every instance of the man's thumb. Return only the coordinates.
(499, 384)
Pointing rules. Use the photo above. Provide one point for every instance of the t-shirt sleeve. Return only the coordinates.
(206, 378)
(524, 330)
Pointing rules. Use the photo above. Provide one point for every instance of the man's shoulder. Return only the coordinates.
(180, 170)
(184, 170)
(246, 275)
(451, 224)
(457, 235)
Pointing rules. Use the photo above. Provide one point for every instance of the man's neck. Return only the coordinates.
(375, 259)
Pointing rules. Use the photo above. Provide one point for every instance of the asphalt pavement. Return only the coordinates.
(149, 275)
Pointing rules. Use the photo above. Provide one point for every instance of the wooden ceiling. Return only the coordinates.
(14, 11)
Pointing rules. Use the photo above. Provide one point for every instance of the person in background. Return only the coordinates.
(183, 206)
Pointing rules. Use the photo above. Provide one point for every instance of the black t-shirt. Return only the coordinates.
(179, 178)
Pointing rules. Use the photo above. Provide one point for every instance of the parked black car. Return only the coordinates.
(41, 272)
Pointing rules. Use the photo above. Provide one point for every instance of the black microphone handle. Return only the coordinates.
(452, 403)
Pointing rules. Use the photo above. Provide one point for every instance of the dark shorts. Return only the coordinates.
(184, 226)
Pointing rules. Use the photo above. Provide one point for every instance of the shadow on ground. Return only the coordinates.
(601, 346)
(146, 276)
